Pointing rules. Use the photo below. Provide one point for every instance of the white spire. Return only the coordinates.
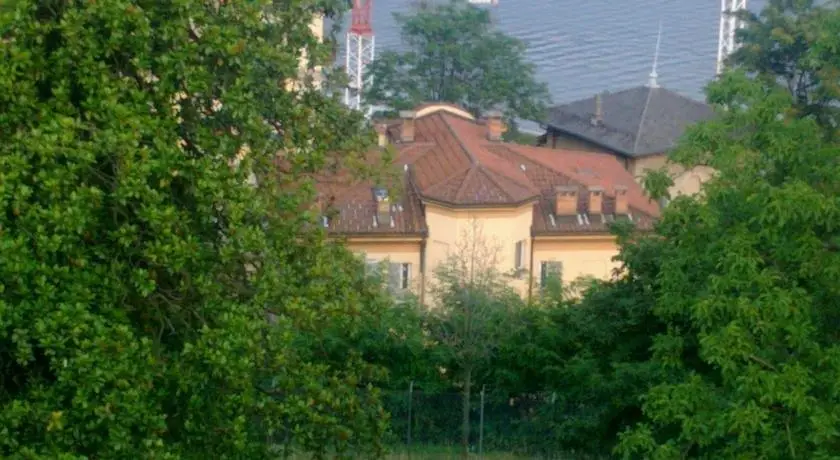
(653, 75)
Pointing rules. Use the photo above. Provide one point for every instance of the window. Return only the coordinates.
(371, 267)
(550, 269)
(399, 276)
(397, 279)
(519, 257)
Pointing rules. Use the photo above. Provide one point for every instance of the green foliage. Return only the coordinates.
(138, 267)
(518, 137)
(586, 360)
(455, 55)
(748, 281)
(791, 44)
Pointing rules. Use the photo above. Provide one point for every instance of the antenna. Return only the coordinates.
(360, 52)
(653, 75)
(728, 25)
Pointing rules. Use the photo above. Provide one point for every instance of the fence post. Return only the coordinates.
(481, 427)
(410, 399)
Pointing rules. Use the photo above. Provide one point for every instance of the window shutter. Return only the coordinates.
(556, 269)
(517, 264)
(394, 276)
(405, 276)
(543, 273)
(550, 269)
(371, 267)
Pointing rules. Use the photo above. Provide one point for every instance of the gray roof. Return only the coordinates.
(635, 122)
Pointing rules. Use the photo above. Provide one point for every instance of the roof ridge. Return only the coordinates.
(447, 179)
(642, 120)
(494, 181)
(464, 183)
(473, 159)
(415, 189)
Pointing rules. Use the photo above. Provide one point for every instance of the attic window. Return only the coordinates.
(380, 194)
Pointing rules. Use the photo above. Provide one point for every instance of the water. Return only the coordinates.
(585, 46)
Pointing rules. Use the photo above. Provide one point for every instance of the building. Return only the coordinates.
(307, 71)
(548, 213)
(639, 126)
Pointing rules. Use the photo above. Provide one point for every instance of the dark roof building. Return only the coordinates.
(637, 122)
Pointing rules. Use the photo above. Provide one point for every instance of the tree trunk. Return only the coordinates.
(465, 414)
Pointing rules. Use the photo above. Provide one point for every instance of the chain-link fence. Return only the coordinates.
(429, 425)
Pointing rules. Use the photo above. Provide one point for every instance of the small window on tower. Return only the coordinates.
(519, 256)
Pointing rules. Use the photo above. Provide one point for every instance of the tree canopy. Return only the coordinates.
(781, 46)
(746, 281)
(162, 294)
(454, 54)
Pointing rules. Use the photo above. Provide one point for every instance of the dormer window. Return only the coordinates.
(383, 207)
(565, 200)
(596, 200)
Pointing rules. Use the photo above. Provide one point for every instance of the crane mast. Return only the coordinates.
(728, 25)
(360, 52)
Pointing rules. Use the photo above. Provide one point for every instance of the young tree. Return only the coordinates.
(471, 299)
(455, 55)
(138, 265)
(748, 277)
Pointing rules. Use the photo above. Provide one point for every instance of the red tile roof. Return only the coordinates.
(451, 162)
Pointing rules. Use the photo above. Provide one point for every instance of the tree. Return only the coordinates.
(471, 299)
(588, 359)
(748, 277)
(139, 266)
(778, 46)
(455, 55)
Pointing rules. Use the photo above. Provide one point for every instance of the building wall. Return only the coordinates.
(686, 182)
(393, 251)
(501, 229)
(317, 28)
(580, 255)
(450, 231)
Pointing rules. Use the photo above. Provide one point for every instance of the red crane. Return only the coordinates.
(360, 52)
(361, 17)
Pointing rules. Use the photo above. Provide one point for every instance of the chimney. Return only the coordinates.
(566, 200)
(596, 199)
(383, 206)
(407, 128)
(382, 135)
(621, 200)
(598, 116)
(495, 127)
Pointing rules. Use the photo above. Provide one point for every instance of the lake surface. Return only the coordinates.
(586, 46)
